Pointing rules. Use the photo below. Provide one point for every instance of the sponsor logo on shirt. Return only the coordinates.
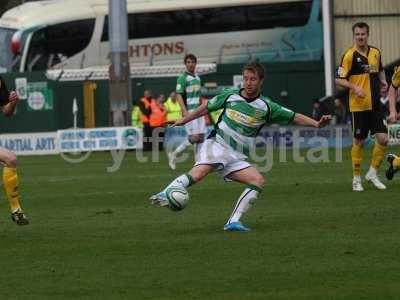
(193, 88)
(244, 119)
(366, 68)
(341, 72)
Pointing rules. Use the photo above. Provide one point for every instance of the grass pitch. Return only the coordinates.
(93, 235)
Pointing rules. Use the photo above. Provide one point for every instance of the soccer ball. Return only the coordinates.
(178, 198)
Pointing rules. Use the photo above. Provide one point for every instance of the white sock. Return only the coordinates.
(181, 147)
(185, 180)
(246, 199)
(372, 171)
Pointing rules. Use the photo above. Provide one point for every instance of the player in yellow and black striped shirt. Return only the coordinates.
(362, 73)
(8, 102)
(394, 160)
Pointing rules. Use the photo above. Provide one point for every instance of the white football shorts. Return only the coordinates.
(220, 154)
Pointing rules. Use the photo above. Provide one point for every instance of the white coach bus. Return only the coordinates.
(74, 33)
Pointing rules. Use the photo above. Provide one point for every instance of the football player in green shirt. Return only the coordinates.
(245, 112)
(188, 96)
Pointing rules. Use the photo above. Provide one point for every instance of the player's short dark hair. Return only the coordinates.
(255, 67)
(190, 56)
(360, 25)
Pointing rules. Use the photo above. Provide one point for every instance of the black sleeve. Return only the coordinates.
(324, 109)
(380, 62)
(144, 110)
(4, 93)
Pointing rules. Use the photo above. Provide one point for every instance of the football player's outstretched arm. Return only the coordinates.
(301, 119)
(9, 108)
(197, 113)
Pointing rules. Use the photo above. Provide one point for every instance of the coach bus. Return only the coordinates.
(73, 34)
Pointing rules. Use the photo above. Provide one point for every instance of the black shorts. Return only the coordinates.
(369, 121)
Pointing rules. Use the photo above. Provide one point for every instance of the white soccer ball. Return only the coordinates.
(178, 198)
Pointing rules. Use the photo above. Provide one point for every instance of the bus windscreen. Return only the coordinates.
(6, 56)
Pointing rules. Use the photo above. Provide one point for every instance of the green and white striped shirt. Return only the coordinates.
(242, 119)
(188, 86)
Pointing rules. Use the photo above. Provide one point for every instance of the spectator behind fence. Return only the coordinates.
(340, 112)
(145, 111)
(319, 109)
(135, 117)
(173, 109)
(158, 118)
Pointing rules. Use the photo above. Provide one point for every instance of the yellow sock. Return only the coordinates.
(396, 162)
(356, 158)
(10, 180)
(377, 155)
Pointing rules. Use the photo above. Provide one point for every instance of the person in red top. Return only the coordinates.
(158, 112)
(158, 119)
(145, 111)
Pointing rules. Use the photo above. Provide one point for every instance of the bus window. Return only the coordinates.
(6, 56)
(220, 20)
(278, 15)
(50, 45)
(215, 20)
(165, 22)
